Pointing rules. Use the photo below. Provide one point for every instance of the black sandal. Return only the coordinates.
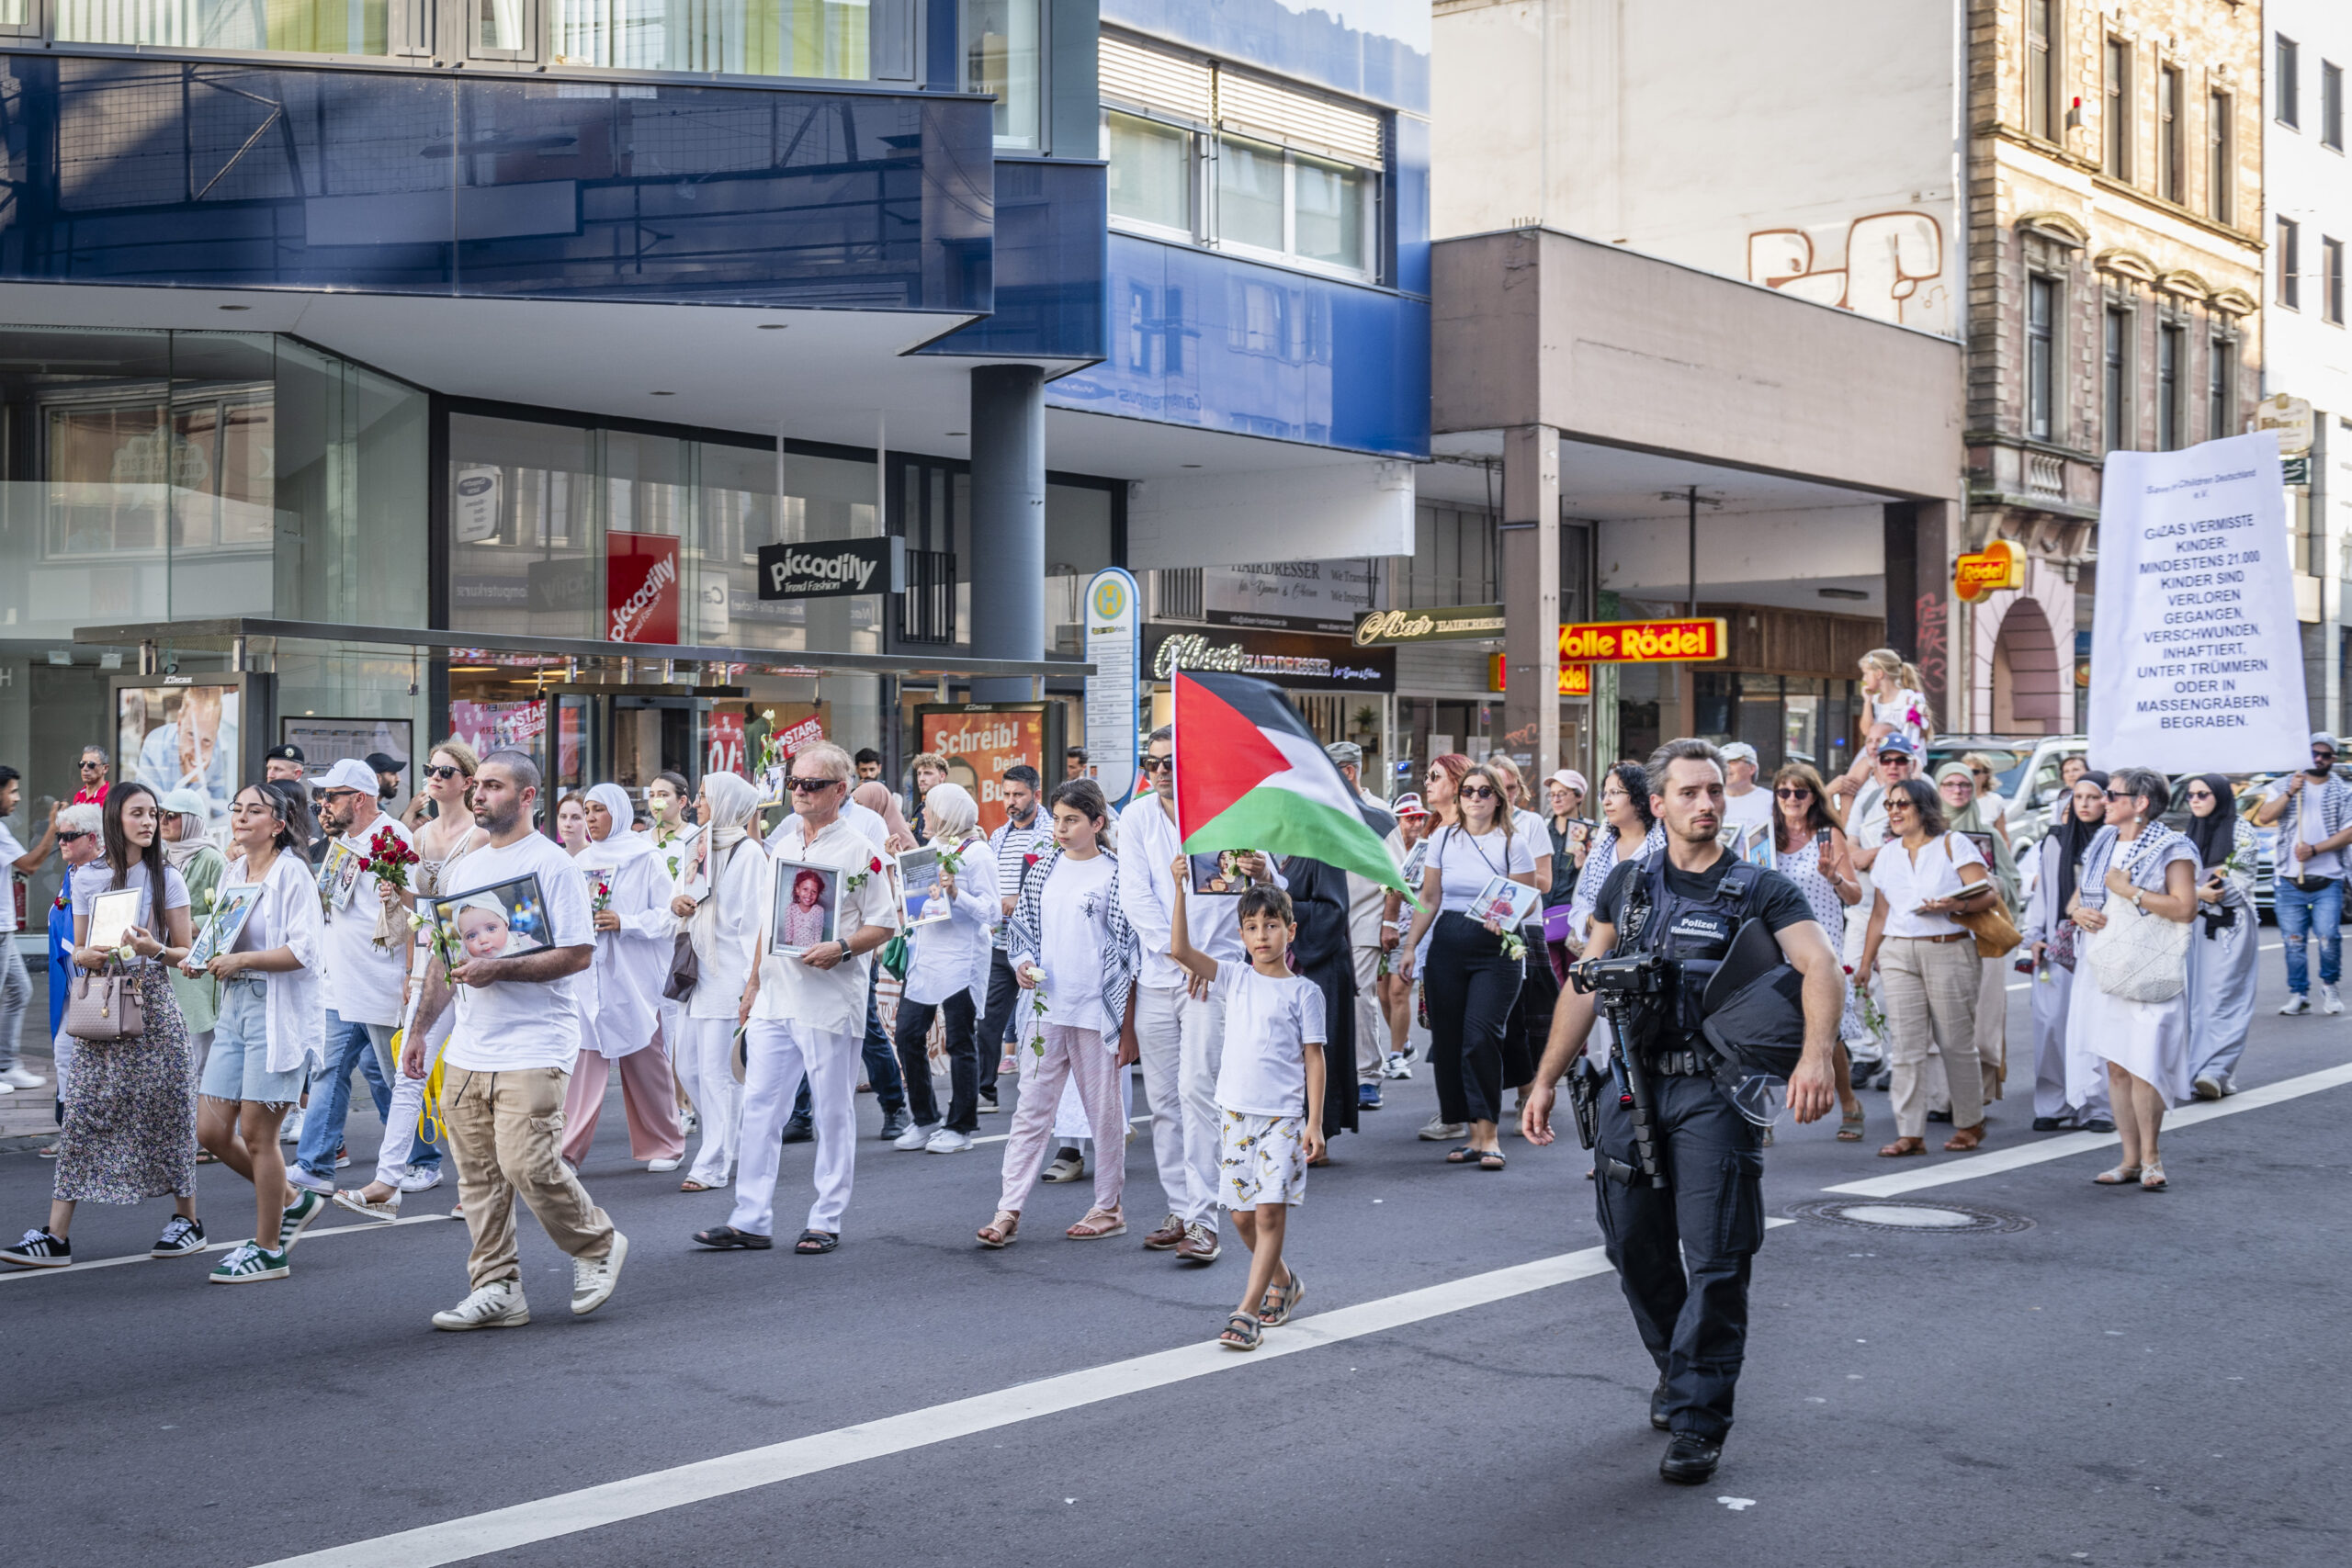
(814, 1242)
(721, 1238)
(1463, 1154)
(1490, 1159)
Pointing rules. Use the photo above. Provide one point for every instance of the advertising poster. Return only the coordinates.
(640, 587)
(180, 736)
(980, 745)
(1114, 647)
(2197, 662)
(723, 744)
(327, 741)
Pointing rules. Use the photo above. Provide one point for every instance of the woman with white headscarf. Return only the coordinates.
(947, 971)
(202, 867)
(629, 891)
(721, 888)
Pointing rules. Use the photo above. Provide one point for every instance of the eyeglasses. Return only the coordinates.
(1478, 792)
(811, 786)
(441, 771)
(1157, 764)
(1793, 792)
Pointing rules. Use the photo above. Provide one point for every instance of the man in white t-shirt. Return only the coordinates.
(509, 1058)
(363, 980)
(804, 1012)
(16, 986)
(1745, 803)
(1180, 1028)
(1370, 912)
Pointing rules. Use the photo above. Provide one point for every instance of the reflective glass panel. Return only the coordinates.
(1151, 171)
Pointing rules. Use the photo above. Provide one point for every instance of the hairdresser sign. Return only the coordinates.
(2197, 660)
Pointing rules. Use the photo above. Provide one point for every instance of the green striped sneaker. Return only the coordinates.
(247, 1263)
(298, 1217)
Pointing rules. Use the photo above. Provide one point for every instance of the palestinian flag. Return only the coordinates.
(1249, 775)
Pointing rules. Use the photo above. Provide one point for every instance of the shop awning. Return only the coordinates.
(222, 633)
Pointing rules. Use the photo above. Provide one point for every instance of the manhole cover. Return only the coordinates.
(1870, 1214)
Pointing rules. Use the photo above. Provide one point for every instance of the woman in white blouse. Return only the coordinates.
(947, 971)
(628, 892)
(1928, 963)
(720, 890)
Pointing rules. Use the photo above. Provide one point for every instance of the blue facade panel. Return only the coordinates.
(1207, 340)
(1408, 184)
(1378, 50)
(1051, 258)
(230, 175)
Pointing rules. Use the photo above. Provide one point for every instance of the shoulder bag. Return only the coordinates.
(105, 1008)
(686, 969)
(2139, 957)
(1995, 933)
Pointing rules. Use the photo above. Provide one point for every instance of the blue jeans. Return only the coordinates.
(367, 1046)
(16, 996)
(2299, 912)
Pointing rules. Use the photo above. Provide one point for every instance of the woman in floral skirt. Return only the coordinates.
(130, 1126)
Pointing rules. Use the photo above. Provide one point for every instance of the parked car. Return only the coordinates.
(2026, 778)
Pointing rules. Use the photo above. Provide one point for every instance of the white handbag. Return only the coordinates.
(2139, 957)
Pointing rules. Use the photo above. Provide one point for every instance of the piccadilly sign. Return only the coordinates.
(1998, 566)
(1644, 642)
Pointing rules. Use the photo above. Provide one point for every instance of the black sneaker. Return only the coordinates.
(894, 1125)
(1658, 1405)
(180, 1237)
(798, 1131)
(1689, 1458)
(38, 1251)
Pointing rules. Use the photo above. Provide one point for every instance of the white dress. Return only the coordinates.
(1802, 865)
(2149, 1040)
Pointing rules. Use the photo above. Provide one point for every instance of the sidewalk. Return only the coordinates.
(32, 1112)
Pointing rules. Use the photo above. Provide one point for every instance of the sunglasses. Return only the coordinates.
(2200, 794)
(2120, 795)
(1477, 792)
(1157, 764)
(69, 837)
(334, 795)
(441, 771)
(1794, 792)
(1895, 806)
(811, 786)
(92, 767)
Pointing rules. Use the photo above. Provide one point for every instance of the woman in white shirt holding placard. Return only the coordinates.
(720, 895)
(1927, 962)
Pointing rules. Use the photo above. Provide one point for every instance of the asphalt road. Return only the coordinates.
(2122, 1378)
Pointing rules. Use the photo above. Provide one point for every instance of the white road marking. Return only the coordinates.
(1000, 1137)
(1994, 1164)
(569, 1513)
(311, 1235)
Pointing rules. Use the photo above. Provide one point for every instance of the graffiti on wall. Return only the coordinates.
(1887, 265)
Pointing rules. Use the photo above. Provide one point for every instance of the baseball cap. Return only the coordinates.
(384, 763)
(1898, 743)
(185, 803)
(349, 774)
(1738, 751)
(283, 754)
(1571, 778)
(2322, 737)
(1345, 751)
(1409, 804)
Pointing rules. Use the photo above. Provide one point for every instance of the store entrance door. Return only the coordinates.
(624, 736)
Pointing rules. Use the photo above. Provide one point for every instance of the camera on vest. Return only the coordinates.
(1639, 975)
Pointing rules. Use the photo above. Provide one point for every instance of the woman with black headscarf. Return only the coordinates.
(2060, 855)
(2222, 940)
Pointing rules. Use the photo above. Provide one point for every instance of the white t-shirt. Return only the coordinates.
(516, 1024)
(1268, 1023)
(1076, 932)
(865, 820)
(363, 981)
(1749, 810)
(1466, 864)
(1906, 882)
(97, 877)
(11, 852)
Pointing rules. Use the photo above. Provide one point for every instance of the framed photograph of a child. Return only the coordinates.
(1507, 903)
(339, 872)
(1220, 875)
(231, 908)
(921, 900)
(502, 921)
(808, 906)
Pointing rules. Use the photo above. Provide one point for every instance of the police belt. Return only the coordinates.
(1679, 1063)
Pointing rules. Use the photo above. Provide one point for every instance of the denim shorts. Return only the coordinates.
(238, 1067)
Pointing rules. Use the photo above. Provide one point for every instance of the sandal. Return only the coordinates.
(726, 1238)
(1849, 1126)
(2151, 1177)
(1242, 1332)
(812, 1242)
(1097, 1224)
(1490, 1159)
(1903, 1147)
(1463, 1155)
(1974, 1137)
(2122, 1175)
(1284, 1299)
(1000, 1232)
(691, 1185)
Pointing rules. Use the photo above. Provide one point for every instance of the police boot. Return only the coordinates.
(1691, 1459)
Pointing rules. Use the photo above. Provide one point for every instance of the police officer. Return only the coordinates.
(1683, 1251)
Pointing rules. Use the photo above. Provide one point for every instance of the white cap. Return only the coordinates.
(1572, 779)
(350, 773)
(1738, 751)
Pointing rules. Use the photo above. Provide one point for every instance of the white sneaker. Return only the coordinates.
(2329, 1002)
(418, 1177)
(1439, 1131)
(2297, 1005)
(8, 1088)
(946, 1142)
(1398, 1065)
(916, 1138)
(663, 1166)
(297, 1176)
(498, 1305)
(21, 1077)
(688, 1121)
(592, 1279)
(290, 1130)
(2208, 1086)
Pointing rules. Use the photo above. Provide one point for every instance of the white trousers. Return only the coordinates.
(408, 1105)
(1180, 1083)
(701, 1057)
(1371, 1028)
(776, 1053)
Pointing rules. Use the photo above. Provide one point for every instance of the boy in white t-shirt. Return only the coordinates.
(1272, 1070)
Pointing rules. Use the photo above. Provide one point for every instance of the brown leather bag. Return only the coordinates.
(105, 1006)
(1996, 935)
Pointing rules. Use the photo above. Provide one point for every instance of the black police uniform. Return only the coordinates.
(1709, 1218)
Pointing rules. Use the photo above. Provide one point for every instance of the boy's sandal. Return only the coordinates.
(812, 1242)
(1490, 1159)
(1242, 1332)
(1096, 1224)
(1000, 1232)
(1281, 1300)
(1462, 1155)
(1849, 1127)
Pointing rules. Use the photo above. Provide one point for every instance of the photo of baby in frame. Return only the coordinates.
(499, 921)
(807, 906)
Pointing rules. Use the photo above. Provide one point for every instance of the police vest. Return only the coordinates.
(1695, 933)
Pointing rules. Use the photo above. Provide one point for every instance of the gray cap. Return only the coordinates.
(186, 802)
(1346, 752)
(2322, 737)
(1738, 751)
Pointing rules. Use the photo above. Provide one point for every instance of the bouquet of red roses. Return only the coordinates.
(388, 858)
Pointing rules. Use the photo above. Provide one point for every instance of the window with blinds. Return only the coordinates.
(1217, 94)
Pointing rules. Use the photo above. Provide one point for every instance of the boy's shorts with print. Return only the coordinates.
(1263, 1159)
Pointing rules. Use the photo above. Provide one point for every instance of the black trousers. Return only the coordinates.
(1470, 987)
(996, 1023)
(1683, 1252)
(962, 1062)
(1530, 1013)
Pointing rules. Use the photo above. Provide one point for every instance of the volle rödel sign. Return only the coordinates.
(829, 568)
